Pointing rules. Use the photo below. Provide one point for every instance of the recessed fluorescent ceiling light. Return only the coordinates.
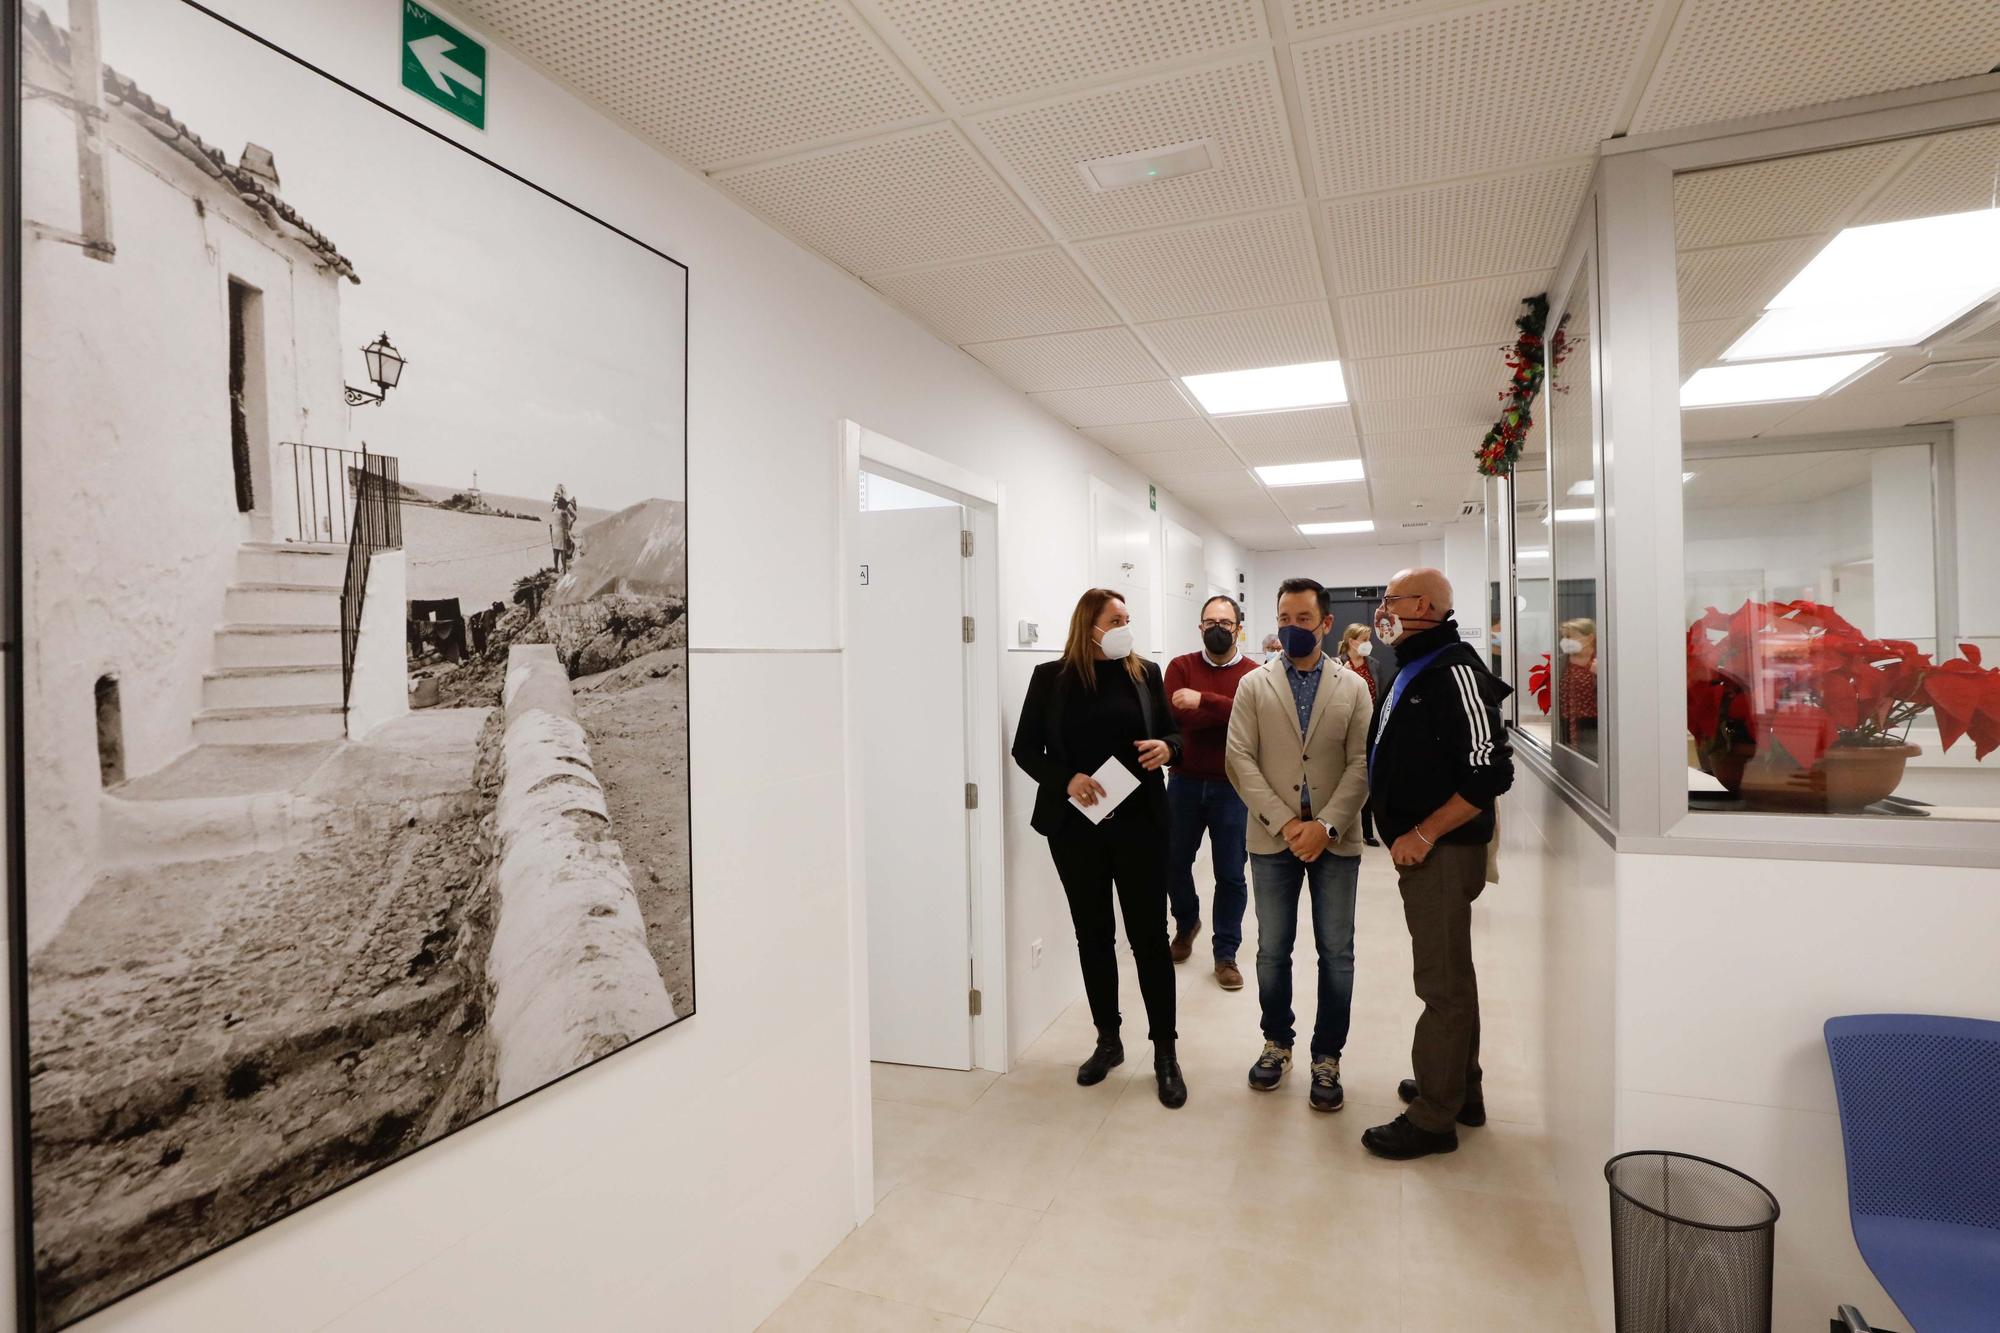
(1772, 381)
(1532, 553)
(1890, 285)
(1335, 529)
(1311, 474)
(1271, 389)
(1575, 515)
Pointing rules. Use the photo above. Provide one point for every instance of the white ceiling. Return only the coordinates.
(1392, 177)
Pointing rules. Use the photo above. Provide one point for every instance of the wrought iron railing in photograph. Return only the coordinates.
(377, 526)
(322, 491)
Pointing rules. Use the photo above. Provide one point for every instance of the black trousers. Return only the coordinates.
(1128, 851)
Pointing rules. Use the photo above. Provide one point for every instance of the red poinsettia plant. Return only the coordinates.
(1797, 676)
(1540, 678)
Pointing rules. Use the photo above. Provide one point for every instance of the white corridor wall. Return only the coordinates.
(688, 1182)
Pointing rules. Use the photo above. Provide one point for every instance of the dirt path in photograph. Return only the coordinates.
(635, 717)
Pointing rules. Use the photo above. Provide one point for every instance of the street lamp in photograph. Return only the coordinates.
(385, 367)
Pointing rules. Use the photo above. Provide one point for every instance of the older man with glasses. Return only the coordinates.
(1202, 689)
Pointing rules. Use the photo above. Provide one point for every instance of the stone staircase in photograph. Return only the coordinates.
(276, 679)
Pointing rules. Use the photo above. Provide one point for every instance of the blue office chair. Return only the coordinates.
(1920, 1115)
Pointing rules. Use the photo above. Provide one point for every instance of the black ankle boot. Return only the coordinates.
(1167, 1073)
(1107, 1056)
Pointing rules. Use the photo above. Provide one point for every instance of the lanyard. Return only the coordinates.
(1403, 678)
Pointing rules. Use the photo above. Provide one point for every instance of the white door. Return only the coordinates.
(908, 656)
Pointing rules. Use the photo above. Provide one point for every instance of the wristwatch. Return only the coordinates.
(1332, 834)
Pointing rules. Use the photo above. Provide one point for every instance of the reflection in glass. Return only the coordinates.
(1575, 667)
(1534, 601)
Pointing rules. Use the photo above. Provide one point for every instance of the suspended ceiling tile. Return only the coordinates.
(1273, 535)
(1705, 340)
(1986, 404)
(1467, 91)
(1117, 404)
(1414, 455)
(1347, 500)
(1731, 58)
(1706, 425)
(1177, 468)
(1068, 360)
(1214, 485)
(1211, 267)
(1460, 411)
(1015, 296)
(1311, 425)
(1236, 506)
(1235, 106)
(1245, 339)
(982, 51)
(1303, 16)
(1440, 494)
(715, 81)
(1850, 410)
(1739, 279)
(1442, 233)
(1953, 173)
(1463, 370)
(1452, 315)
(1298, 451)
(1807, 195)
(1152, 437)
(914, 198)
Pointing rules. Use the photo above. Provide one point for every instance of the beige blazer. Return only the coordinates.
(1267, 763)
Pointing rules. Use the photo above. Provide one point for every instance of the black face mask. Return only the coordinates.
(1218, 640)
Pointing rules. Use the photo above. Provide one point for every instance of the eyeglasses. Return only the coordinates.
(1400, 597)
(1219, 624)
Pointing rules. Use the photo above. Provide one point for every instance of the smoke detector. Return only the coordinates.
(1148, 165)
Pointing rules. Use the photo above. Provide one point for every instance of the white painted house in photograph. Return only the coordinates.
(181, 374)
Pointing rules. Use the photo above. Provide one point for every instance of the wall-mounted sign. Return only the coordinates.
(444, 65)
(1153, 497)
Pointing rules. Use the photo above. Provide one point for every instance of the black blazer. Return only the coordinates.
(1038, 743)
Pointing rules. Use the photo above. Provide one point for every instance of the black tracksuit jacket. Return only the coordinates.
(1444, 738)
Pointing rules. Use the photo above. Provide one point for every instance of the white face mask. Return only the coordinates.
(1117, 643)
(1572, 646)
(1363, 648)
(1389, 627)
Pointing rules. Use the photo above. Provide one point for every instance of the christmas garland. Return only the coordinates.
(1526, 367)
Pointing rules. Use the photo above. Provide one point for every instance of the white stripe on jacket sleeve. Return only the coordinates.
(1475, 714)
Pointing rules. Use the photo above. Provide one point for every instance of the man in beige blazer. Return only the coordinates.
(1298, 756)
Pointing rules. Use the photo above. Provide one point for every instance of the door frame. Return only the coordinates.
(986, 882)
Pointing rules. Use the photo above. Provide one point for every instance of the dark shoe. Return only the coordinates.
(1183, 946)
(1371, 840)
(1108, 1056)
(1269, 1071)
(1173, 1088)
(1400, 1140)
(1326, 1092)
(1228, 975)
(1472, 1115)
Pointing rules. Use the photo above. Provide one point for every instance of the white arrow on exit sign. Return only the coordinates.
(431, 54)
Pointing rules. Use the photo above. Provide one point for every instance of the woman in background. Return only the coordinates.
(1579, 684)
(1102, 701)
(1355, 647)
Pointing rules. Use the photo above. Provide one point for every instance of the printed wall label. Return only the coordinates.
(444, 65)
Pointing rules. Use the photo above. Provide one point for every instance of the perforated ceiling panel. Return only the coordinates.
(1875, 411)
(1193, 462)
(1710, 424)
(715, 81)
(1472, 412)
(1464, 370)
(1307, 503)
(1954, 173)
(1730, 58)
(1117, 404)
(1206, 486)
(1302, 16)
(1246, 339)
(1439, 496)
(1298, 451)
(1422, 319)
(1419, 455)
(1209, 268)
(914, 198)
(1703, 340)
(1788, 196)
(1496, 86)
(1740, 279)
(981, 51)
(1069, 360)
(1235, 106)
(1156, 437)
(1316, 425)
(1504, 224)
(1010, 297)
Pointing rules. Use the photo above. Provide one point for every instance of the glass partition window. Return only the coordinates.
(1534, 597)
(1494, 607)
(1574, 669)
(1840, 372)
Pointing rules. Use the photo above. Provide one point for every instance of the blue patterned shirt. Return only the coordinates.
(1305, 689)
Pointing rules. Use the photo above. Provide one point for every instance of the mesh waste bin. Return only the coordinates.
(1690, 1245)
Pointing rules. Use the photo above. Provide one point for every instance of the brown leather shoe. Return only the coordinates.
(1227, 975)
(1183, 946)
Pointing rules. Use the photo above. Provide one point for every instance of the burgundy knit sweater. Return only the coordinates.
(1205, 731)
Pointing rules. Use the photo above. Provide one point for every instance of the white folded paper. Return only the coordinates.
(1118, 783)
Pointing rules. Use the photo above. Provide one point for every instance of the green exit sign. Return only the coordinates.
(443, 64)
(1153, 496)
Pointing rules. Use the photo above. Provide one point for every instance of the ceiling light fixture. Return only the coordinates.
(1148, 165)
(1270, 389)
(1893, 284)
(1310, 474)
(1772, 381)
(1337, 529)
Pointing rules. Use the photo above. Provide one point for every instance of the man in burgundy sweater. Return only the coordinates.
(1202, 687)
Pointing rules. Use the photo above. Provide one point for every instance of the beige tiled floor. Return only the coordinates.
(1026, 1203)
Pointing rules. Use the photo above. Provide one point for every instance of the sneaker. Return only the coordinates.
(1173, 1088)
(1269, 1071)
(1472, 1115)
(1228, 975)
(1183, 944)
(1107, 1056)
(1400, 1140)
(1326, 1092)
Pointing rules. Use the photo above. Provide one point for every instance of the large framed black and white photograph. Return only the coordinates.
(350, 790)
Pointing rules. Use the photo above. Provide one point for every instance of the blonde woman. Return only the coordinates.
(1357, 643)
(1579, 684)
(1098, 702)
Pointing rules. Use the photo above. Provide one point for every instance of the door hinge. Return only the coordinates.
(968, 629)
(972, 1001)
(972, 796)
(965, 542)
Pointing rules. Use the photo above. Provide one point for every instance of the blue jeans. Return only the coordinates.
(1214, 808)
(1334, 882)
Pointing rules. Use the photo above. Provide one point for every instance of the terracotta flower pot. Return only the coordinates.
(1846, 779)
